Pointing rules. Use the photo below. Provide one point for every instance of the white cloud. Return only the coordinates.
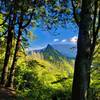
(64, 40)
(35, 48)
(73, 39)
(55, 40)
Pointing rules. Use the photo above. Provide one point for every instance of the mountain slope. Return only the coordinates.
(54, 57)
(52, 54)
(69, 50)
(39, 79)
(46, 73)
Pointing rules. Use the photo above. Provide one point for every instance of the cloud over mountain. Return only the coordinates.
(55, 40)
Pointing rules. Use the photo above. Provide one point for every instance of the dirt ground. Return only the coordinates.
(7, 94)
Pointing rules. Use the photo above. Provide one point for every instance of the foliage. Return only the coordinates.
(95, 74)
(42, 79)
(38, 79)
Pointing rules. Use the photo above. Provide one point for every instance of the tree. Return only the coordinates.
(18, 44)
(21, 26)
(24, 13)
(88, 32)
(9, 33)
(11, 13)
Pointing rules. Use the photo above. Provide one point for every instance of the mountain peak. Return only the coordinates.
(52, 54)
(49, 46)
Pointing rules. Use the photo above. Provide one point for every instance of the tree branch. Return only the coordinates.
(28, 21)
(74, 12)
(98, 27)
(95, 15)
(95, 31)
(96, 49)
(60, 80)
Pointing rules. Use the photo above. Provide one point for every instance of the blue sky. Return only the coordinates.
(61, 36)
(66, 35)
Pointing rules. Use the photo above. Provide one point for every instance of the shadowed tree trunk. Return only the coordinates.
(83, 59)
(7, 54)
(18, 44)
(12, 20)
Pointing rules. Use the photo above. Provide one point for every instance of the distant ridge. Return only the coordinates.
(69, 51)
(53, 56)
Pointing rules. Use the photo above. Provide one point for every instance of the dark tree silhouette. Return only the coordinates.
(85, 47)
(10, 34)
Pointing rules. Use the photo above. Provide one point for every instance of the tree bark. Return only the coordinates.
(9, 44)
(12, 70)
(83, 59)
(7, 55)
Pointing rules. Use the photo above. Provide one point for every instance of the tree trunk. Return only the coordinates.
(12, 70)
(7, 55)
(83, 59)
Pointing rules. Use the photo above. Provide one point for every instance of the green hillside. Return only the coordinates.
(52, 55)
(42, 79)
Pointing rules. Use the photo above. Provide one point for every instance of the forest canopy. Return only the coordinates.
(47, 74)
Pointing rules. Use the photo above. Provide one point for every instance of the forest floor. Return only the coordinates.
(7, 94)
